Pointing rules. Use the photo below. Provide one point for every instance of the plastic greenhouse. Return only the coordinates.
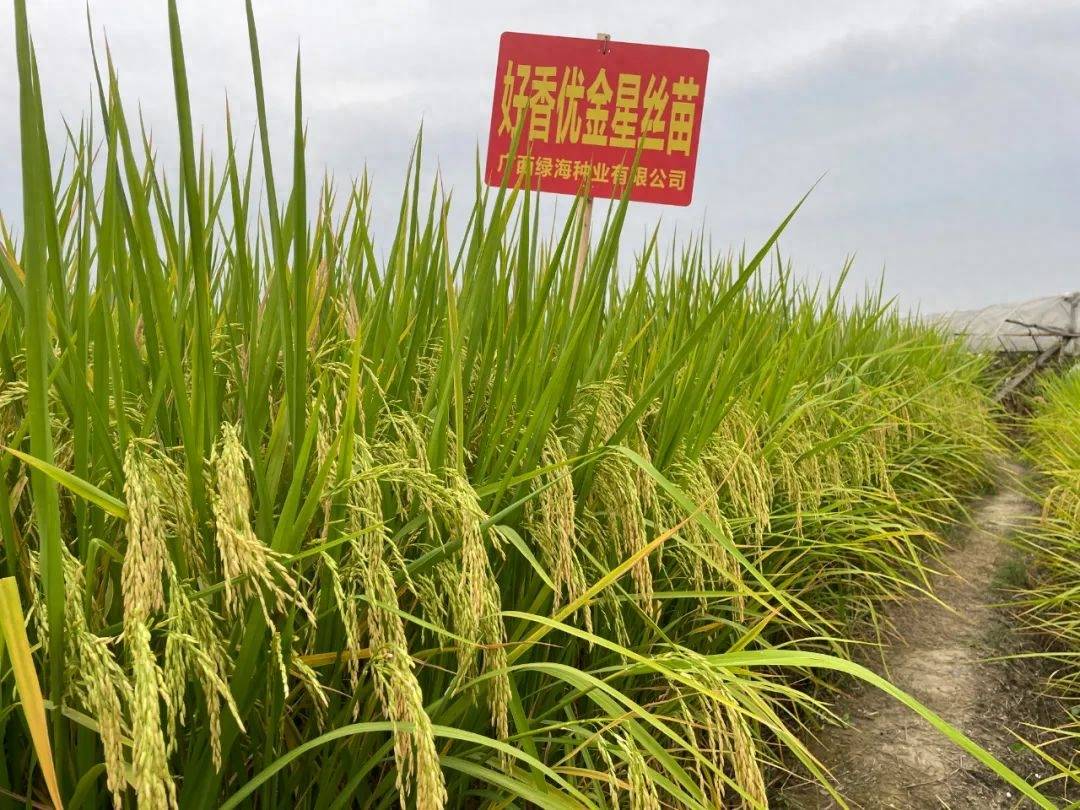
(1036, 326)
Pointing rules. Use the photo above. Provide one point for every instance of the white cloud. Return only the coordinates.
(946, 126)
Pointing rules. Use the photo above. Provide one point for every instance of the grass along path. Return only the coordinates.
(887, 757)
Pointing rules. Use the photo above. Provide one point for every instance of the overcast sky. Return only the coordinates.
(948, 130)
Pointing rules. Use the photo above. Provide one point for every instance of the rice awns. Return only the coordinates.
(316, 521)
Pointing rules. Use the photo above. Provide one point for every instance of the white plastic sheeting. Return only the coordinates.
(1029, 326)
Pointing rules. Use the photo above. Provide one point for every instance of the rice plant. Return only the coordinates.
(1048, 605)
(300, 521)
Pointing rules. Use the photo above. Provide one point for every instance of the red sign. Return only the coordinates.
(583, 104)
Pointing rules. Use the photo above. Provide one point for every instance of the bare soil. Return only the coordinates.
(887, 757)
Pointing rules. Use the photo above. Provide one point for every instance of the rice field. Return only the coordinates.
(300, 518)
(1048, 606)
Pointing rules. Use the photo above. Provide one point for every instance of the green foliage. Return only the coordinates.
(1048, 603)
(318, 524)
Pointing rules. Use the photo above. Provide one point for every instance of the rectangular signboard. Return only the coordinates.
(583, 104)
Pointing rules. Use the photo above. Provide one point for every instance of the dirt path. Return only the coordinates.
(889, 757)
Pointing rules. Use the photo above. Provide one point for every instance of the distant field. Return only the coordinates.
(299, 520)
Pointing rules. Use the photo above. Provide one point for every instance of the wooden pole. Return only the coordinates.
(586, 219)
(1041, 360)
